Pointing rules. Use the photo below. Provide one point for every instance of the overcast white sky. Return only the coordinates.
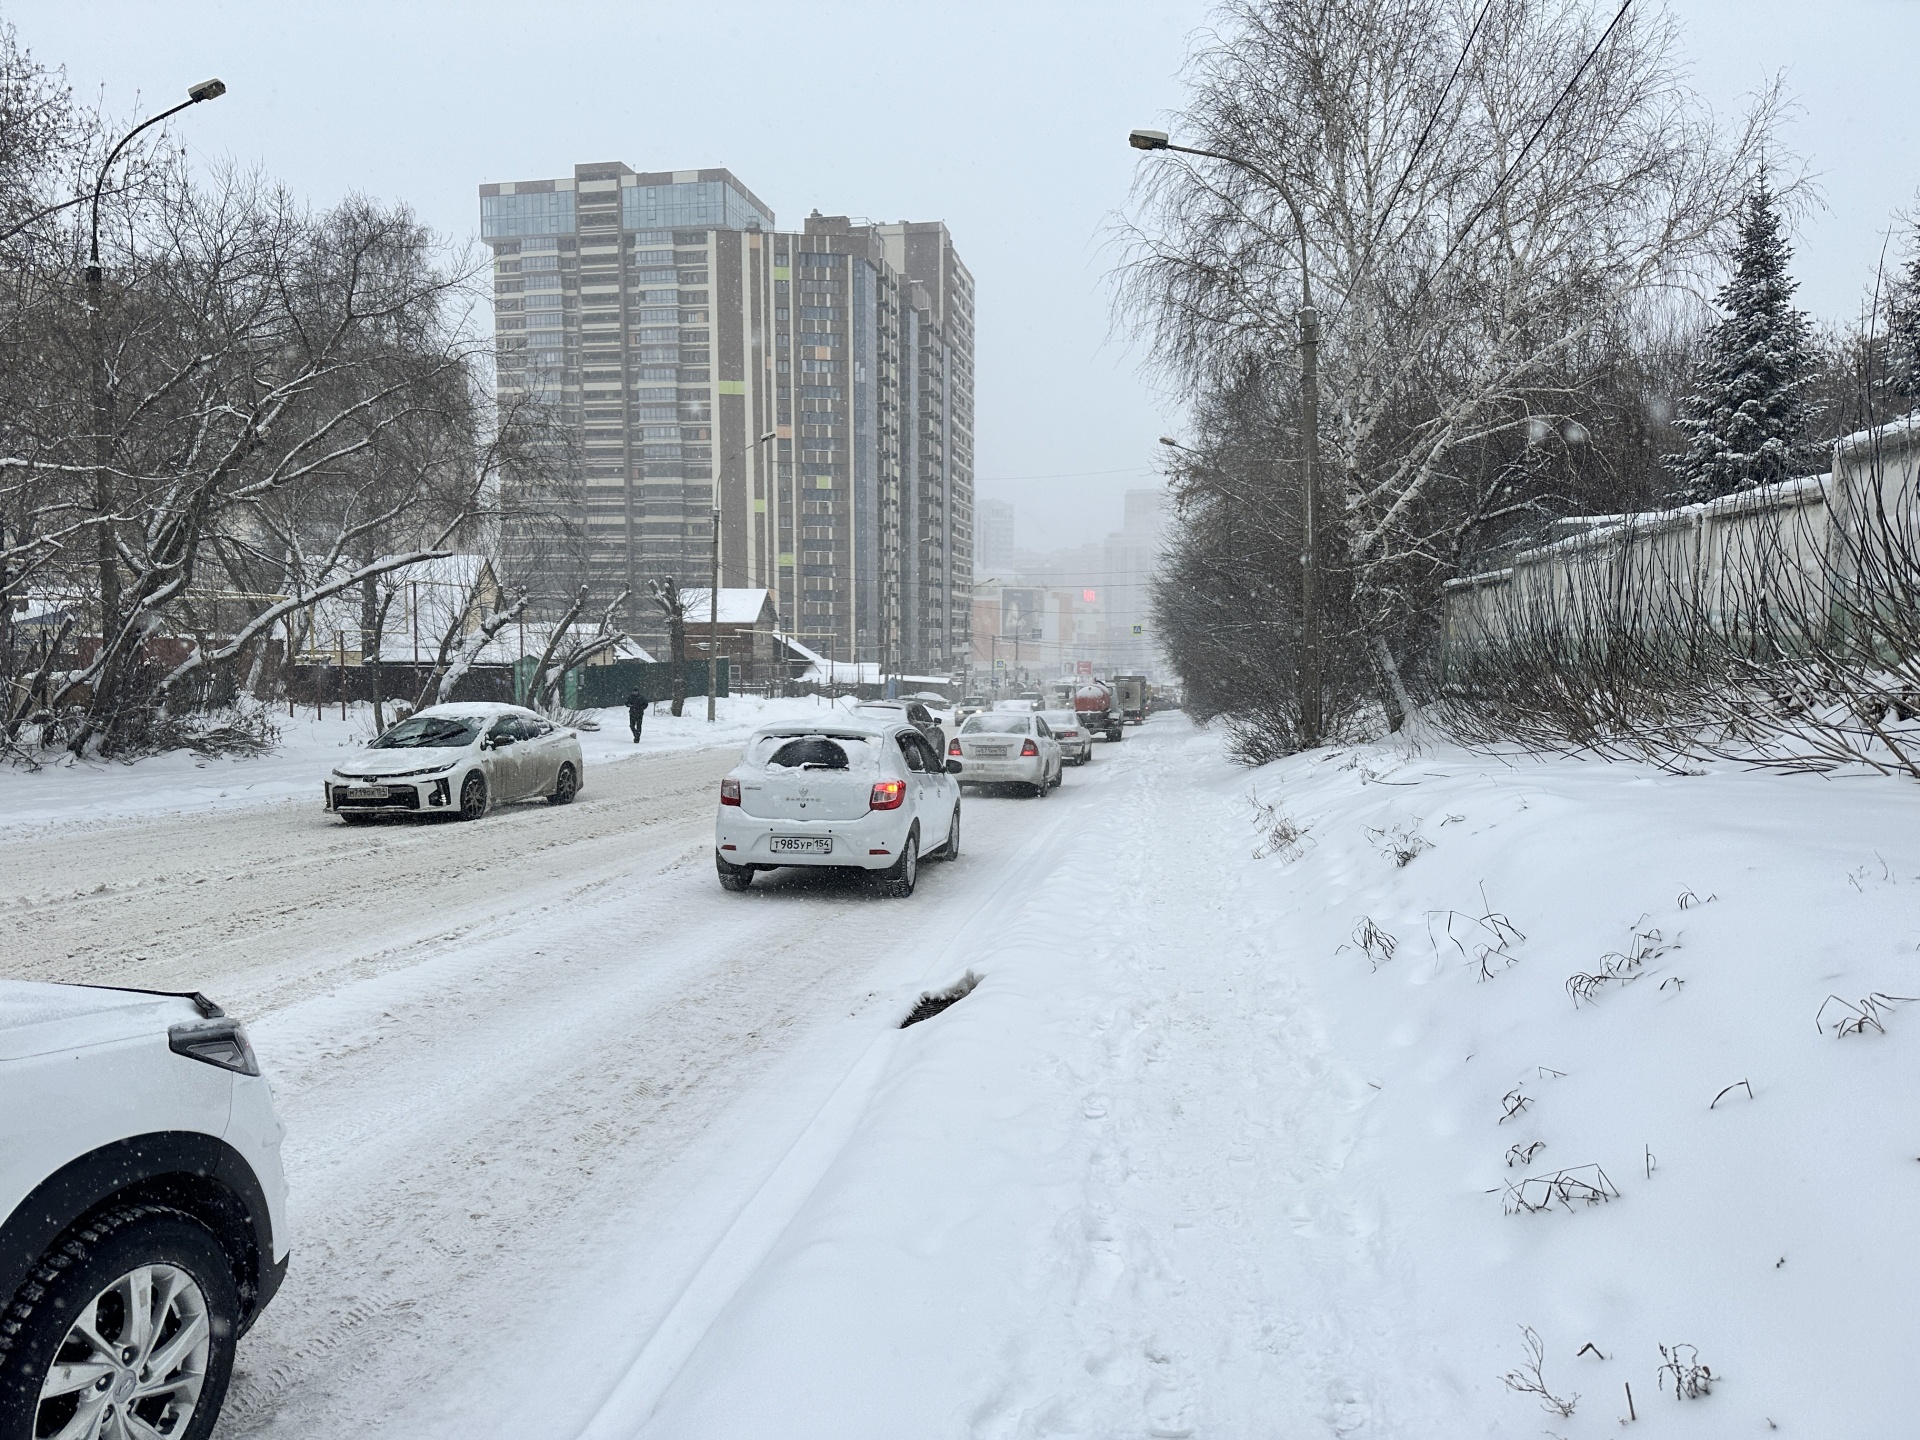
(1006, 120)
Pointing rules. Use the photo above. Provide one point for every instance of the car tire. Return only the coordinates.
(80, 1282)
(473, 796)
(896, 882)
(565, 786)
(347, 817)
(733, 877)
(951, 850)
(1043, 789)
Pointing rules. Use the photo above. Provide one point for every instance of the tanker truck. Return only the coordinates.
(1098, 709)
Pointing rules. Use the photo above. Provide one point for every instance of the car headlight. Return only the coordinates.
(221, 1042)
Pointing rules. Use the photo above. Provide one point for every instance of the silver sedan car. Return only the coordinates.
(458, 760)
(1005, 747)
(1076, 741)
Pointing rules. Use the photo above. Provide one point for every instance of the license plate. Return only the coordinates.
(801, 844)
(990, 752)
(368, 792)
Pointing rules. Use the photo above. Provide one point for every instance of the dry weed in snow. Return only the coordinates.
(1403, 844)
(1850, 1019)
(1490, 935)
(1587, 1184)
(1280, 833)
(1378, 945)
(1682, 1367)
(1526, 1378)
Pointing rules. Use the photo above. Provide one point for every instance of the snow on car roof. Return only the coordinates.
(471, 708)
(850, 729)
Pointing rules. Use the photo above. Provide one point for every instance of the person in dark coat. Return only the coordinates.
(636, 713)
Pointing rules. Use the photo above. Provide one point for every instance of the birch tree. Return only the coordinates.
(1486, 186)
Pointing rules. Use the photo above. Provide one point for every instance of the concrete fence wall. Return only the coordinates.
(1793, 547)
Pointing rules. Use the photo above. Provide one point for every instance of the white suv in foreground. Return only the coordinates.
(873, 798)
(142, 1210)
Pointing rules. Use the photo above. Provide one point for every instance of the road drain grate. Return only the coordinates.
(933, 1002)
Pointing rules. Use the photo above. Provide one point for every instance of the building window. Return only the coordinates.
(549, 213)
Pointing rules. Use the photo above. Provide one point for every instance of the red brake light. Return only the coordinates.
(1027, 747)
(887, 795)
(953, 746)
(729, 792)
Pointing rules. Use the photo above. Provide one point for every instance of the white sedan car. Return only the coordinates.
(1007, 747)
(458, 760)
(1076, 741)
(837, 794)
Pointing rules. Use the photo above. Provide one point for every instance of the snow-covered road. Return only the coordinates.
(1252, 1126)
(515, 1057)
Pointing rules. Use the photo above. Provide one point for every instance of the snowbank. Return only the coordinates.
(181, 781)
(1298, 1144)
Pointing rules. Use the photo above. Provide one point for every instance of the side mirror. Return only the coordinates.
(954, 767)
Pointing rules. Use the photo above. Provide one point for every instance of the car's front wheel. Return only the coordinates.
(473, 796)
(565, 787)
(129, 1332)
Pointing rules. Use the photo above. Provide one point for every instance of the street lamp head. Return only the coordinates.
(1148, 140)
(207, 90)
(770, 435)
(1169, 440)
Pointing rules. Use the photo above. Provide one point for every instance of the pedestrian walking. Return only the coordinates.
(636, 713)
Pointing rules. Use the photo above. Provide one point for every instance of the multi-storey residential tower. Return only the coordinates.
(816, 389)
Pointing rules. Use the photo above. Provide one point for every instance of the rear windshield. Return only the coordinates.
(1061, 719)
(998, 724)
(813, 752)
(430, 732)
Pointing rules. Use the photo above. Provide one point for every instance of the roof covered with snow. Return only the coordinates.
(737, 606)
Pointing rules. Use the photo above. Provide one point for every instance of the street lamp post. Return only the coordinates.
(102, 396)
(1309, 323)
(713, 618)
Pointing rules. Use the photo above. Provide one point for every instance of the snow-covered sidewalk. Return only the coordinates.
(1310, 1143)
(64, 790)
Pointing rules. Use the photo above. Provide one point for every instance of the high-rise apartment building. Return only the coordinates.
(993, 548)
(815, 388)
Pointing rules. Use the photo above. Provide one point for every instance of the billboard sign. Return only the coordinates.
(1021, 613)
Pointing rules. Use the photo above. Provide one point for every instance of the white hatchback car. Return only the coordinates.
(1008, 747)
(837, 793)
(459, 760)
(143, 1210)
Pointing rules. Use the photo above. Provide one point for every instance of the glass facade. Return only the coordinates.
(698, 204)
(546, 213)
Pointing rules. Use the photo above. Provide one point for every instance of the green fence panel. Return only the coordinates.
(594, 687)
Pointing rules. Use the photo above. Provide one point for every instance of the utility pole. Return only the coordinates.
(713, 620)
(1311, 718)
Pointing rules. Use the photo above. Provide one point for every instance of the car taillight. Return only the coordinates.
(729, 792)
(1027, 747)
(887, 795)
(953, 747)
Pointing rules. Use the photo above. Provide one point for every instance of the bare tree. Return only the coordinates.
(1485, 189)
(672, 604)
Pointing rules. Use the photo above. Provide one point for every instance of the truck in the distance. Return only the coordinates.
(1098, 707)
(1132, 697)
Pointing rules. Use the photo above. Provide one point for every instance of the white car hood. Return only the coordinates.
(37, 1018)
(399, 762)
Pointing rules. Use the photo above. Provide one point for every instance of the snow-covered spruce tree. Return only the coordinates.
(1749, 416)
(1903, 327)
